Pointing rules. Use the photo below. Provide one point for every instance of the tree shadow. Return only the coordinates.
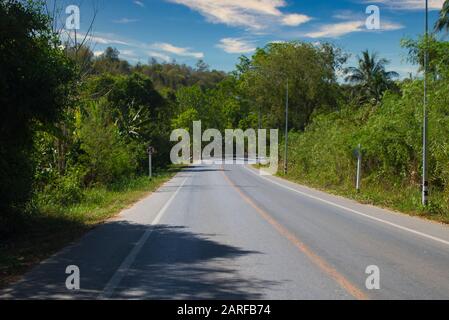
(179, 264)
(174, 263)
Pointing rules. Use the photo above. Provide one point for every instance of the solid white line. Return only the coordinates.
(424, 235)
(129, 260)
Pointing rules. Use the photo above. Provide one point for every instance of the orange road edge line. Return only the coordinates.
(317, 260)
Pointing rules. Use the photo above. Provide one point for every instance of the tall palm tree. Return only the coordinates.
(443, 21)
(370, 75)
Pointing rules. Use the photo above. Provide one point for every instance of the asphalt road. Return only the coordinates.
(218, 232)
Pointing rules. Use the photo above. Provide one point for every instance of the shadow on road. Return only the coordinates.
(173, 264)
(178, 264)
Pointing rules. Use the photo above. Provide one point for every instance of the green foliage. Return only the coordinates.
(443, 20)
(175, 76)
(310, 72)
(391, 140)
(185, 119)
(221, 107)
(141, 114)
(371, 77)
(437, 51)
(63, 190)
(35, 79)
(165, 76)
(81, 56)
(109, 62)
(107, 157)
(323, 152)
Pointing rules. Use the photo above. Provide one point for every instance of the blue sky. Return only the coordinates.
(219, 31)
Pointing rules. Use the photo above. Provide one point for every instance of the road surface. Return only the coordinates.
(225, 232)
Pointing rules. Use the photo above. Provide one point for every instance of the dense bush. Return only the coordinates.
(323, 151)
(391, 138)
(142, 114)
(107, 157)
(35, 78)
(63, 190)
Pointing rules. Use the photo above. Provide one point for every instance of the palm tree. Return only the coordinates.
(443, 21)
(370, 75)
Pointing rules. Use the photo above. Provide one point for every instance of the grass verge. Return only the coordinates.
(49, 228)
(404, 199)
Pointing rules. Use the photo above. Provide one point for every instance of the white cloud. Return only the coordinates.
(125, 21)
(278, 41)
(98, 53)
(295, 19)
(107, 40)
(336, 30)
(409, 4)
(139, 3)
(158, 55)
(183, 52)
(236, 45)
(390, 26)
(251, 14)
(348, 15)
(103, 38)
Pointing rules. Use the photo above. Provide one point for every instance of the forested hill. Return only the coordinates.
(164, 75)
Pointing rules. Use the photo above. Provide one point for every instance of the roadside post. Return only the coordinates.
(286, 132)
(150, 166)
(359, 167)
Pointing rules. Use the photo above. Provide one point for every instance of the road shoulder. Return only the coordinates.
(424, 228)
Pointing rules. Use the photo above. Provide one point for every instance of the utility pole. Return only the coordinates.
(425, 181)
(286, 133)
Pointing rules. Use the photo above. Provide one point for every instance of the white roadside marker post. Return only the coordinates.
(359, 167)
(150, 166)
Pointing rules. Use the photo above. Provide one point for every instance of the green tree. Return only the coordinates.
(443, 20)
(175, 76)
(110, 62)
(309, 71)
(35, 78)
(202, 66)
(371, 75)
(107, 156)
(233, 109)
(437, 51)
(82, 56)
(142, 115)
